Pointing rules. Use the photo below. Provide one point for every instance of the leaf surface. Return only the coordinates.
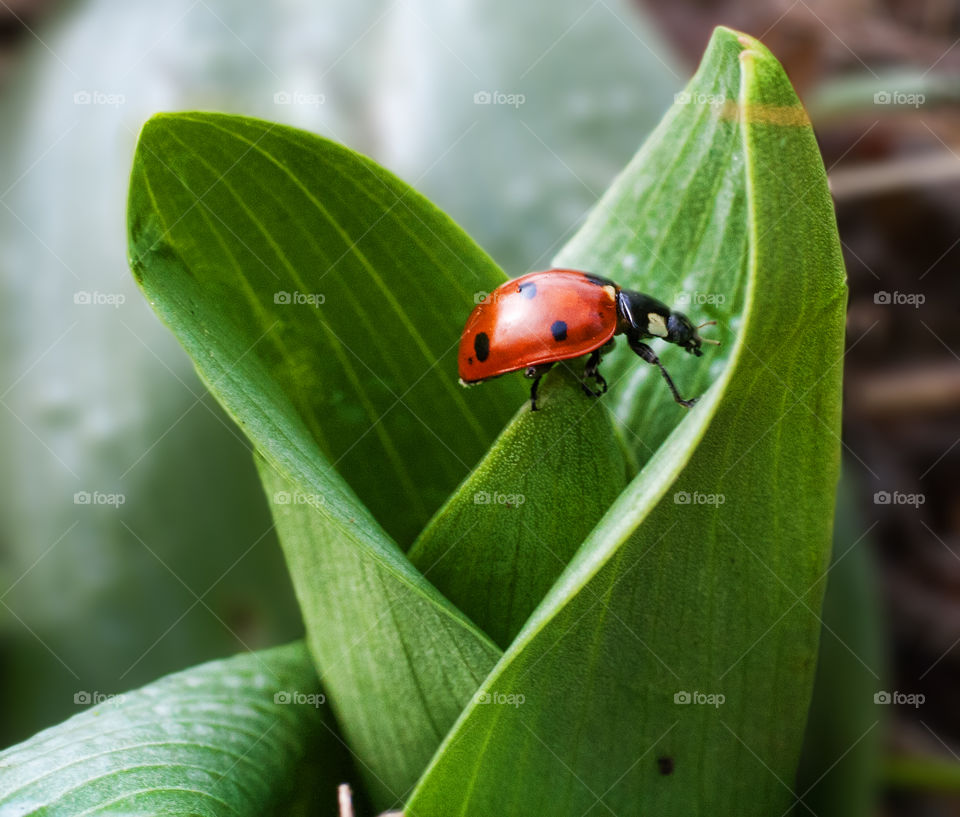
(229, 737)
(320, 299)
(702, 580)
(511, 528)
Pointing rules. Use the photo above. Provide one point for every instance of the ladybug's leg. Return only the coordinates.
(592, 370)
(650, 356)
(533, 392)
(535, 373)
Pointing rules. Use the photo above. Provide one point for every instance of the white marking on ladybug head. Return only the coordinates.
(656, 325)
(611, 291)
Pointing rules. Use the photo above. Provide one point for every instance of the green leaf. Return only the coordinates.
(398, 666)
(222, 215)
(509, 531)
(229, 737)
(839, 770)
(717, 592)
(348, 285)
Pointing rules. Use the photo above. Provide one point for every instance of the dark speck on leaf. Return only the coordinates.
(666, 764)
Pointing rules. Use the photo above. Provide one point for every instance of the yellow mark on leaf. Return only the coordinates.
(758, 113)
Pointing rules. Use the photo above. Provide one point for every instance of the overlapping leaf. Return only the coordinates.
(340, 279)
(312, 290)
(398, 668)
(669, 669)
(225, 738)
(509, 531)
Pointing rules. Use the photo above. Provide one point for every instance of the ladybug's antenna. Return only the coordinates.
(708, 340)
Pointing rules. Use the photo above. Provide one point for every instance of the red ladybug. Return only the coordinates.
(534, 321)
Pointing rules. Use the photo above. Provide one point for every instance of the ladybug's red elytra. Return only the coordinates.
(541, 318)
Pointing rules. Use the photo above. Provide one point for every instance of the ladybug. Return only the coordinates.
(541, 318)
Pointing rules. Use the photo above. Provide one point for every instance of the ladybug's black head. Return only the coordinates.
(681, 331)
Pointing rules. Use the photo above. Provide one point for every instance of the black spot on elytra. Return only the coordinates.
(481, 345)
(665, 764)
(528, 290)
(559, 331)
